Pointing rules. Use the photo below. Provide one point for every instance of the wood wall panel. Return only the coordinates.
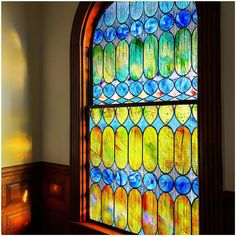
(19, 185)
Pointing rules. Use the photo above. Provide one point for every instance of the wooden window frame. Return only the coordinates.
(209, 116)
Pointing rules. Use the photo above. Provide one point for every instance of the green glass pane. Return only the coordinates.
(182, 113)
(166, 149)
(96, 115)
(183, 51)
(122, 61)
(121, 147)
(194, 49)
(150, 149)
(108, 114)
(150, 56)
(166, 113)
(135, 148)
(97, 64)
(136, 58)
(109, 62)
(135, 114)
(166, 54)
(150, 113)
(121, 114)
(108, 147)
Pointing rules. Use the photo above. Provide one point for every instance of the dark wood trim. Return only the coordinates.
(209, 110)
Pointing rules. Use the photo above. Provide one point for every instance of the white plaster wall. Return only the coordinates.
(55, 117)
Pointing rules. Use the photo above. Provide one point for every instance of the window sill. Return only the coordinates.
(98, 228)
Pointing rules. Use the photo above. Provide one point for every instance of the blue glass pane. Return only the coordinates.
(195, 83)
(150, 181)
(122, 11)
(108, 176)
(110, 15)
(165, 6)
(95, 174)
(121, 178)
(182, 185)
(183, 84)
(109, 90)
(136, 9)
(195, 17)
(182, 5)
(166, 183)
(136, 28)
(135, 179)
(151, 25)
(122, 89)
(150, 87)
(167, 22)
(195, 186)
(166, 85)
(110, 34)
(183, 19)
(150, 7)
(98, 37)
(97, 91)
(136, 88)
(123, 31)
(99, 23)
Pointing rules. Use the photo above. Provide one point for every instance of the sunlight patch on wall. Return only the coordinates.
(16, 120)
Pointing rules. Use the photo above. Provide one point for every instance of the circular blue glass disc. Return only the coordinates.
(166, 22)
(151, 25)
(98, 37)
(108, 176)
(195, 82)
(122, 89)
(110, 34)
(136, 88)
(183, 84)
(166, 85)
(95, 174)
(195, 186)
(166, 183)
(136, 28)
(109, 90)
(150, 181)
(97, 91)
(194, 16)
(182, 185)
(121, 178)
(183, 19)
(150, 87)
(135, 179)
(123, 31)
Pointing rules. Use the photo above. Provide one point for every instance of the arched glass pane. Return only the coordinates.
(144, 155)
(154, 46)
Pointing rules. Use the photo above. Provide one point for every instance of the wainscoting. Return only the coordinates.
(36, 200)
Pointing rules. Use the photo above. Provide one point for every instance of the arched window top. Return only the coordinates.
(145, 52)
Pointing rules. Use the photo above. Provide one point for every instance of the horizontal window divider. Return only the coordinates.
(145, 104)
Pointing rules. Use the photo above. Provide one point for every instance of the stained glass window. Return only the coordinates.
(143, 171)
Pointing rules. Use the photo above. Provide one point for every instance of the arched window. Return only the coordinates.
(138, 163)
(144, 154)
